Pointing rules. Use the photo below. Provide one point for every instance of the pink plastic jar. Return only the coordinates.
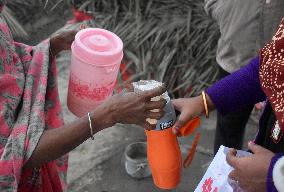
(95, 61)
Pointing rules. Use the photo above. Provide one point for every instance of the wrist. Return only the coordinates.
(200, 105)
(55, 47)
(102, 118)
(210, 104)
(205, 103)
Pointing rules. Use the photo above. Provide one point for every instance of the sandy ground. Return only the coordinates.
(98, 166)
(43, 22)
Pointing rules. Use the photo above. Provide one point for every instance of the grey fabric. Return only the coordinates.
(245, 26)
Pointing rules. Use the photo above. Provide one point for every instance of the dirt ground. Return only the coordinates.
(98, 166)
(42, 22)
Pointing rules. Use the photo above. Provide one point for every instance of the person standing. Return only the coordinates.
(261, 79)
(34, 142)
(245, 27)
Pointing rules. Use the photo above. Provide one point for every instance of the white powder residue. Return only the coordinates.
(145, 85)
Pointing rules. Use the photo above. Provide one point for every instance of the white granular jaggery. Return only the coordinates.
(146, 85)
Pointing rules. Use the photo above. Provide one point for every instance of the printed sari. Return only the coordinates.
(29, 105)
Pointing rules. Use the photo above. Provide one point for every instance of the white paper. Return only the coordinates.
(216, 177)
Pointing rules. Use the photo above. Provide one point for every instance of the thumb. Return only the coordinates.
(181, 121)
(231, 158)
(255, 148)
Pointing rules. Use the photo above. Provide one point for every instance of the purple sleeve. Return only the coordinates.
(269, 180)
(241, 88)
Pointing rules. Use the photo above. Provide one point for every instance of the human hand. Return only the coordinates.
(250, 172)
(62, 41)
(133, 108)
(189, 108)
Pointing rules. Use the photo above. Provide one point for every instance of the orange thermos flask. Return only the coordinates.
(163, 150)
(164, 155)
